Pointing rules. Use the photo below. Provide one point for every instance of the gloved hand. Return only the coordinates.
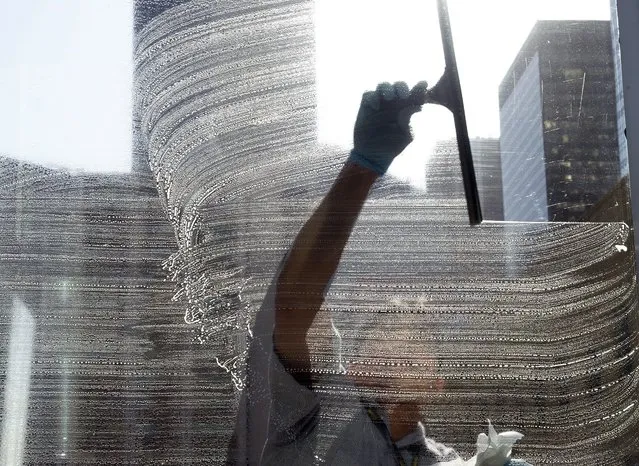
(382, 129)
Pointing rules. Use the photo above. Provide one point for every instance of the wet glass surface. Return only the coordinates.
(240, 295)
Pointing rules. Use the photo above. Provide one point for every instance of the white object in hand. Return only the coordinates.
(494, 449)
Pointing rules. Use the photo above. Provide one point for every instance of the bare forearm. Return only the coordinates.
(314, 258)
(317, 250)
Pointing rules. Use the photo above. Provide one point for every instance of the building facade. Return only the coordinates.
(621, 114)
(487, 161)
(559, 123)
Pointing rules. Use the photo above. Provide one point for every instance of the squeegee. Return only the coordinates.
(447, 92)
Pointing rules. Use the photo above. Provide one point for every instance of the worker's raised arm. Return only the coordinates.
(382, 132)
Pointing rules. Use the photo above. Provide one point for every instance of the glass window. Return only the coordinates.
(272, 271)
(558, 65)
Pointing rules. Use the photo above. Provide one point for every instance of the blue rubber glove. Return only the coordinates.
(382, 129)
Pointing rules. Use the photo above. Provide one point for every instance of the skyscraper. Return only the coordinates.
(621, 114)
(558, 110)
(487, 160)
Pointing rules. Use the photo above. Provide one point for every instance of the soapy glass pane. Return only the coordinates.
(131, 301)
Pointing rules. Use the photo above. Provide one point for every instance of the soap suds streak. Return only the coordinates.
(533, 324)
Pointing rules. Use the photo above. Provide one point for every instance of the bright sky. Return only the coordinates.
(65, 82)
(363, 42)
(65, 70)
